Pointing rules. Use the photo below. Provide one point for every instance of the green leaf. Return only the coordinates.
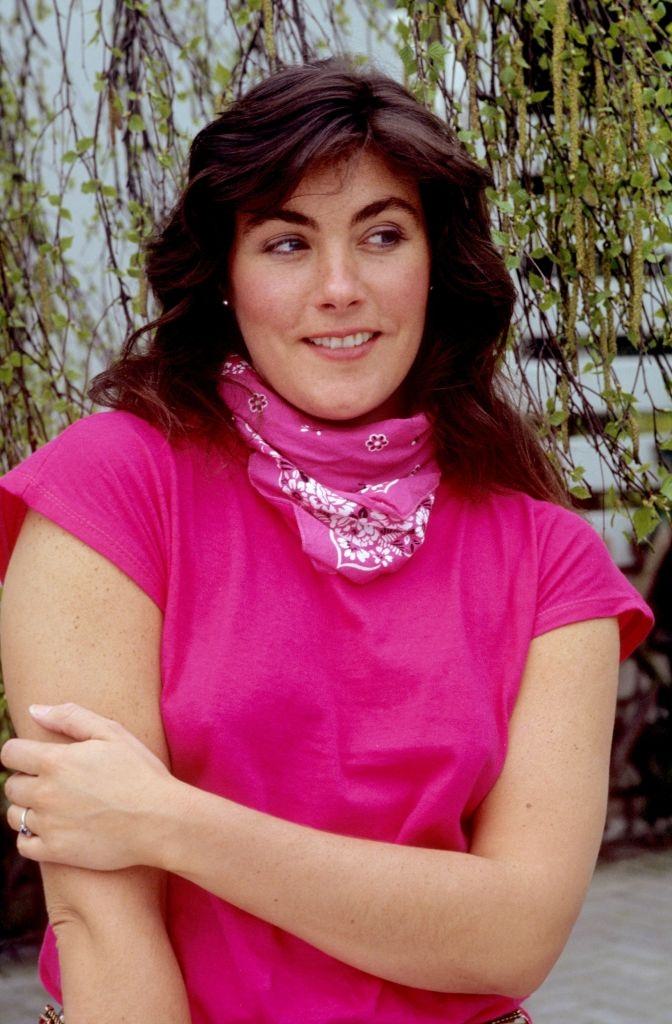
(537, 282)
(135, 123)
(580, 491)
(83, 144)
(437, 52)
(666, 486)
(512, 262)
(221, 75)
(508, 75)
(645, 520)
(550, 299)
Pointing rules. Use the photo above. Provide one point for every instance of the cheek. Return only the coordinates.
(406, 292)
(263, 299)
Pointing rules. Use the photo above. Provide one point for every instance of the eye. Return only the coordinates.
(275, 246)
(393, 236)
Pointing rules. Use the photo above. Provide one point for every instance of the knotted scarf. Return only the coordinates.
(360, 496)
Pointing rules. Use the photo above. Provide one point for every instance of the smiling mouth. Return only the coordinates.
(350, 341)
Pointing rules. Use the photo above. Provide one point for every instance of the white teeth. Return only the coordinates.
(350, 341)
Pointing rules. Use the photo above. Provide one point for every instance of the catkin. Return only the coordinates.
(637, 277)
(572, 306)
(574, 134)
(559, 27)
(521, 102)
(577, 208)
(604, 350)
(465, 38)
(634, 431)
(600, 90)
(563, 392)
(115, 119)
(610, 155)
(269, 30)
(591, 251)
(473, 90)
(46, 305)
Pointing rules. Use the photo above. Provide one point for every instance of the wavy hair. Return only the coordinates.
(252, 157)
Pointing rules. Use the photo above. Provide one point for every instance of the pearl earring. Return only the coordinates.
(225, 302)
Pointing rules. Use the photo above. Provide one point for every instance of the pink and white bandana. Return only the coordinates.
(360, 496)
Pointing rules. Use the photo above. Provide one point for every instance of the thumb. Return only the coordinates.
(72, 720)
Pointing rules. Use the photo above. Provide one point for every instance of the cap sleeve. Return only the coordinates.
(100, 480)
(578, 579)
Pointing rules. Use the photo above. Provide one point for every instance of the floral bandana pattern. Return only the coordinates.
(360, 496)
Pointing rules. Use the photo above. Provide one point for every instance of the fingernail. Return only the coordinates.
(39, 709)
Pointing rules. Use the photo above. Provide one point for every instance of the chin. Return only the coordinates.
(345, 414)
(350, 410)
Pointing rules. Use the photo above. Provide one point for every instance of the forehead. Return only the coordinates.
(346, 184)
(361, 172)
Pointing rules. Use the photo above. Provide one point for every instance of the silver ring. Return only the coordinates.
(23, 828)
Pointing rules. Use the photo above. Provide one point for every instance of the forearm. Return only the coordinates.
(127, 974)
(115, 956)
(427, 918)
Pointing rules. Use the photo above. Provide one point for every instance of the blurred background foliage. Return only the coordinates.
(568, 103)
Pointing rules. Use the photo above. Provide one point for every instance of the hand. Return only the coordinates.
(95, 803)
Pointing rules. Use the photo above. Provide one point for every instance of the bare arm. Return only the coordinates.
(73, 627)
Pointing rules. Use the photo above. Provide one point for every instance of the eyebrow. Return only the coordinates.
(371, 210)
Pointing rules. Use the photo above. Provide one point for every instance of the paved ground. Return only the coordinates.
(616, 968)
(617, 965)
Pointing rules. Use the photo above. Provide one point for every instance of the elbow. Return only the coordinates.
(524, 963)
(510, 981)
(514, 966)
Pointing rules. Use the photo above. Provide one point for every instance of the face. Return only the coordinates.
(347, 255)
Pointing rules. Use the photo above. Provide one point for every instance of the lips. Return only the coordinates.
(345, 341)
(341, 333)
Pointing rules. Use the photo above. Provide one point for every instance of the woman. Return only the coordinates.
(340, 661)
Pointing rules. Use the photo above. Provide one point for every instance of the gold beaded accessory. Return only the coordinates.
(50, 1016)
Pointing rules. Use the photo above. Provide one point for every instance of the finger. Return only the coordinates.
(25, 755)
(73, 720)
(21, 789)
(31, 847)
(14, 815)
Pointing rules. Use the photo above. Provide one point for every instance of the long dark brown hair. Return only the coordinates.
(252, 157)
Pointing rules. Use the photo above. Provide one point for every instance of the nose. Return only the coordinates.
(338, 283)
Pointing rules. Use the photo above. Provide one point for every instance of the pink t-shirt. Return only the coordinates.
(376, 710)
